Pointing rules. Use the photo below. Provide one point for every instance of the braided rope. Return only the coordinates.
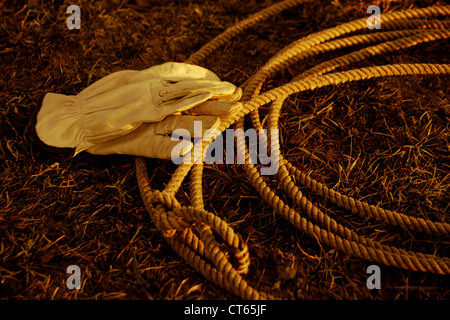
(191, 230)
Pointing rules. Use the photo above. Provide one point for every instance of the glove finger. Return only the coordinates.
(195, 125)
(215, 108)
(173, 71)
(178, 71)
(144, 142)
(235, 96)
(194, 87)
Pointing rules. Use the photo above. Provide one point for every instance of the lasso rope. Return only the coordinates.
(191, 230)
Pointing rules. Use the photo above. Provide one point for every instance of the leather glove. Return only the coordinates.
(122, 102)
(151, 139)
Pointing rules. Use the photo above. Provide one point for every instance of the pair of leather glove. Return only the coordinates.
(134, 112)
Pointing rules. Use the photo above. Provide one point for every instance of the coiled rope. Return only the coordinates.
(192, 231)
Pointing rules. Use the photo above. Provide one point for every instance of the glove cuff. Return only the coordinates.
(58, 121)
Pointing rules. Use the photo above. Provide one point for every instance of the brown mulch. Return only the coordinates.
(384, 141)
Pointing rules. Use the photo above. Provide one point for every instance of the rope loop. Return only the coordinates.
(236, 248)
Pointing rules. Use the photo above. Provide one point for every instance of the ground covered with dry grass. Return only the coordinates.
(383, 141)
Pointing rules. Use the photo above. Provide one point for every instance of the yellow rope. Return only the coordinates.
(192, 231)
